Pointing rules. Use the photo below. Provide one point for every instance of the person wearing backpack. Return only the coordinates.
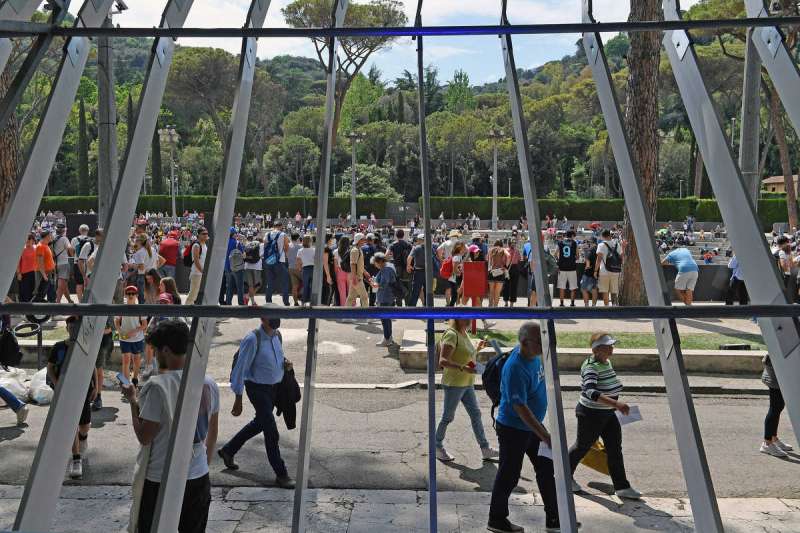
(77, 243)
(198, 254)
(385, 283)
(357, 273)
(608, 267)
(523, 405)
(253, 267)
(234, 268)
(276, 246)
(458, 357)
(399, 252)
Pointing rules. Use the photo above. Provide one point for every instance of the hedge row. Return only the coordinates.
(163, 203)
(770, 210)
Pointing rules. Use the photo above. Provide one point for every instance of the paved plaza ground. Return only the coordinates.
(369, 455)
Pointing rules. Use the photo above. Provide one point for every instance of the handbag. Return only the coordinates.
(596, 458)
(497, 272)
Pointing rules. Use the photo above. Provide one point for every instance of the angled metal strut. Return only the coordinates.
(17, 11)
(764, 284)
(684, 418)
(306, 423)
(563, 473)
(185, 419)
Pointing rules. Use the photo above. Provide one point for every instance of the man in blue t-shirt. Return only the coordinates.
(688, 272)
(523, 404)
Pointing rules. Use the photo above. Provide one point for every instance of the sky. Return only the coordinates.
(480, 56)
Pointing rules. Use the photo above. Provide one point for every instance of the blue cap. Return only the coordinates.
(233, 229)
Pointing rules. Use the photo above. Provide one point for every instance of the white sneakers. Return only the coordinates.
(83, 445)
(76, 468)
(782, 445)
(443, 456)
(22, 415)
(773, 449)
(386, 343)
(489, 454)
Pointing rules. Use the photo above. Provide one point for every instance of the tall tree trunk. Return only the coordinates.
(83, 151)
(156, 166)
(783, 150)
(699, 169)
(641, 114)
(9, 151)
(131, 120)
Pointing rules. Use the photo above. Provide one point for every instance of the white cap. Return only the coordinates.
(605, 340)
(358, 237)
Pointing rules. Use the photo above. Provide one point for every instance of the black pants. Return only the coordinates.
(510, 286)
(594, 423)
(406, 282)
(736, 291)
(194, 511)
(27, 285)
(776, 405)
(515, 444)
(454, 285)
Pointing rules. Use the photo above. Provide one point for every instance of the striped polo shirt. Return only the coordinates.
(598, 378)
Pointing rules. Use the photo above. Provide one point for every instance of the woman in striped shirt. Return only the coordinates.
(600, 390)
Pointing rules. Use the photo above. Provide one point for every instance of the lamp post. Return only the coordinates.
(169, 135)
(355, 138)
(680, 189)
(495, 136)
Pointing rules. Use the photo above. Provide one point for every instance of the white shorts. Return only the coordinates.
(686, 281)
(569, 278)
(608, 282)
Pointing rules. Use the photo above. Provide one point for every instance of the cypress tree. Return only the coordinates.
(157, 182)
(83, 151)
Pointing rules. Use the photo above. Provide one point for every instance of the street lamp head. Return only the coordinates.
(121, 5)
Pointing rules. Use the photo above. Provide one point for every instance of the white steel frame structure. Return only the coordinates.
(777, 319)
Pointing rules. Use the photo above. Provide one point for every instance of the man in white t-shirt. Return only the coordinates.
(608, 275)
(152, 415)
(276, 245)
(199, 250)
(62, 252)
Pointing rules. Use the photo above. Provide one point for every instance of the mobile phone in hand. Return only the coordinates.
(123, 380)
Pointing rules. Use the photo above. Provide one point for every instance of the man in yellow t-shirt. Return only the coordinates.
(458, 360)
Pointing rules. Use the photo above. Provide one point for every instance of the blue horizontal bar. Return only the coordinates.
(407, 313)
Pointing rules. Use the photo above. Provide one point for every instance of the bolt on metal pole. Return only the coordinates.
(684, 418)
(561, 465)
(430, 337)
(185, 418)
(761, 276)
(309, 381)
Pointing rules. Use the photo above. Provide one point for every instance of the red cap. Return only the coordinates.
(131, 289)
(165, 297)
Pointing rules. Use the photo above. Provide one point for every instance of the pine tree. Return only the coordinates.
(83, 151)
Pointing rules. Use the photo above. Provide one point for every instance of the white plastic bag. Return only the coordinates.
(14, 379)
(38, 389)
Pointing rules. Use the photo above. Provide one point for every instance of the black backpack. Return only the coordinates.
(10, 354)
(613, 261)
(400, 251)
(399, 289)
(345, 261)
(252, 252)
(492, 376)
(188, 260)
(81, 242)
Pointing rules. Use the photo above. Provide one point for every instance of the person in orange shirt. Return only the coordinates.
(45, 264)
(26, 270)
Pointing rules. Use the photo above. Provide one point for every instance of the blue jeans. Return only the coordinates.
(277, 281)
(452, 397)
(417, 285)
(168, 271)
(234, 280)
(263, 399)
(308, 273)
(10, 399)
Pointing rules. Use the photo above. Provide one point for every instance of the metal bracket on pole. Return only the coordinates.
(684, 418)
(13, 95)
(41, 493)
(778, 61)
(764, 283)
(185, 419)
(18, 11)
(309, 382)
(563, 473)
(21, 211)
(430, 338)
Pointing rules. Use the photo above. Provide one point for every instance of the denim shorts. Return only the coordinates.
(131, 347)
(588, 283)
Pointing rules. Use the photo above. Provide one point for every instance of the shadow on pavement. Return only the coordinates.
(483, 477)
(642, 514)
(104, 416)
(10, 433)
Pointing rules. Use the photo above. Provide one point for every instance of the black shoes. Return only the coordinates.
(504, 526)
(285, 482)
(227, 458)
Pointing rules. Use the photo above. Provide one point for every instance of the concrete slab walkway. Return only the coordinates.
(253, 509)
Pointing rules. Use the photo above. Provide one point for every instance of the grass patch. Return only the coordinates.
(689, 341)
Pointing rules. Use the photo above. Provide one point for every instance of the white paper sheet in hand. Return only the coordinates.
(479, 367)
(545, 451)
(633, 416)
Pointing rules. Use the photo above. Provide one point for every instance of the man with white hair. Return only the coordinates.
(523, 404)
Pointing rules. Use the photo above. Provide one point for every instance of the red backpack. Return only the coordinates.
(446, 270)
